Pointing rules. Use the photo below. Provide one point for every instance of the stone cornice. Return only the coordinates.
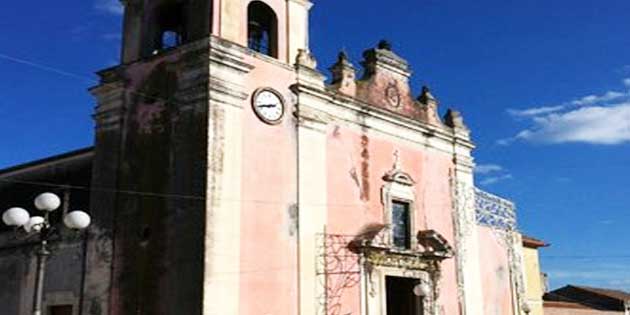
(235, 48)
(222, 53)
(306, 3)
(348, 109)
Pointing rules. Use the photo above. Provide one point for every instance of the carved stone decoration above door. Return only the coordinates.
(381, 260)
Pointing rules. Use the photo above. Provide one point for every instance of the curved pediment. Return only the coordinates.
(400, 177)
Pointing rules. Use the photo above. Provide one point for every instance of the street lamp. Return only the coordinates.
(422, 290)
(40, 225)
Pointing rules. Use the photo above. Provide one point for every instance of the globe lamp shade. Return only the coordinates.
(47, 202)
(422, 290)
(15, 217)
(77, 220)
(34, 224)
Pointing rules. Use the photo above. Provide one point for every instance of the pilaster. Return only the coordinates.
(312, 189)
(297, 27)
(223, 204)
(109, 118)
(230, 20)
(466, 239)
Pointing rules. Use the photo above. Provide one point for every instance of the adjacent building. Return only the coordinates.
(581, 300)
(230, 176)
(535, 280)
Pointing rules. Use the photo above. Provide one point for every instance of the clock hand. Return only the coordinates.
(266, 105)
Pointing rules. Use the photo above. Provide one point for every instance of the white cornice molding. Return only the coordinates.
(342, 108)
(305, 3)
(240, 50)
(224, 53)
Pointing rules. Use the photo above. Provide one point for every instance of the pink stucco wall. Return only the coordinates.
(356, 164)
(268, 227)
(495, 273)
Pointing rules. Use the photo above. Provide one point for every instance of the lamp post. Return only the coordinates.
(40, 226)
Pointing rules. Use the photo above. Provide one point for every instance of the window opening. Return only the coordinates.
(171, 39)
(170, 27)
(400, 224)
(400, 297)
(261, 29)
(60, 310)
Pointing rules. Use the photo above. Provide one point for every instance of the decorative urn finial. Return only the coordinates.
(426, 96)
(343, 74)
(384, 44)
(342, 57)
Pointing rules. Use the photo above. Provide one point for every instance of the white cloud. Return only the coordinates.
(495, 179)
(487, 168)
(595, 119)
(491, 173)
(109, 6)
(535, 111)
(597, 99)
(506, 141)
(594, 125)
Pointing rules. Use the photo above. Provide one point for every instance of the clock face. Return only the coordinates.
(268, 105)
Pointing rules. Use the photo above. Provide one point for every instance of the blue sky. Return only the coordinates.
(544, 85)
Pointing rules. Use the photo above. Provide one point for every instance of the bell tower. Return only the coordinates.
(146, 254)
(152, 26)
(281, 26)
(278, 28)
(175, 136)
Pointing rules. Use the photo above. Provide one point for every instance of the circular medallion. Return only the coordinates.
(392, 95)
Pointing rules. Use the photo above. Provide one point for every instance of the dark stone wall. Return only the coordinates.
(157, 214)
(11, 275)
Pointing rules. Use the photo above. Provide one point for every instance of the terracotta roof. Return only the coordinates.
(560, 304)
(64, 157)
(595, 298)
(615, 294)
(531, 242)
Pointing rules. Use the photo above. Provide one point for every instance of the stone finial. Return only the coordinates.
(343, 60)
(454, 119)
(343, 56)
(426, 97)
(429, 105)
(343, 74)
(384, 44)
(306, 59)
(382, 59)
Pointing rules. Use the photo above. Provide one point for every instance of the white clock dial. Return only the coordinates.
(268, 105)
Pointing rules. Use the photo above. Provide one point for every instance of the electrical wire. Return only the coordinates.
(191, 197)
(161, 195)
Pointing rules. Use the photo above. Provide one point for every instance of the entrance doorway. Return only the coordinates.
(400, 297)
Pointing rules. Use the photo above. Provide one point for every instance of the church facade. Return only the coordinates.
(229, 176)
